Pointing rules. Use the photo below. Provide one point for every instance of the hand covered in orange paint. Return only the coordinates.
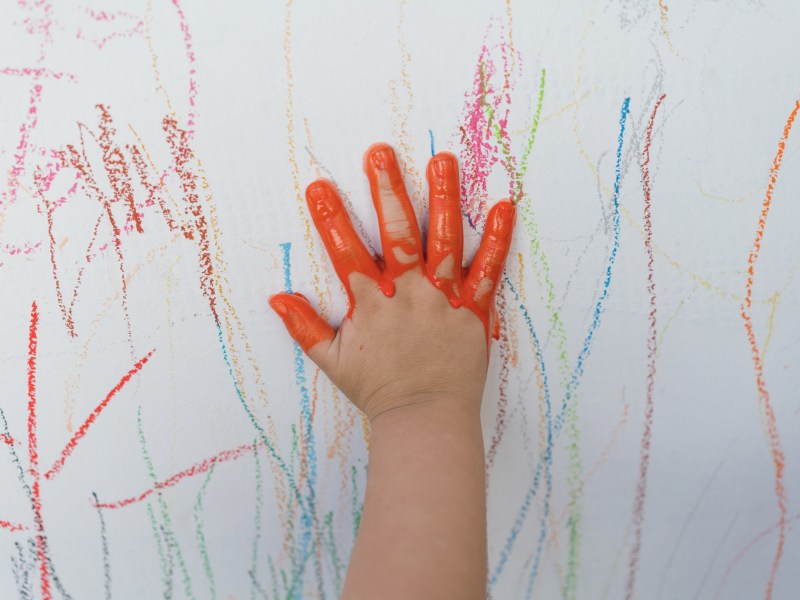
(418, 327)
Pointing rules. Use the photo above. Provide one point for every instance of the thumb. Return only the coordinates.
(311, 332)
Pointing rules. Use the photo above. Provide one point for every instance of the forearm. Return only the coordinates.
(423, 530)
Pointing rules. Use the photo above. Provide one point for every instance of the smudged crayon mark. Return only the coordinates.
(78, 436)
(104, 549)
(765, 405)
(652, 348)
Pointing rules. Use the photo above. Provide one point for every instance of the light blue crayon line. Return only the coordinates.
(580, 363)
(305, 417)
(430, 133)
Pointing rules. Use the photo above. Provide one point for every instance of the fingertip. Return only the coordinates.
(502, 217)
(380, 156)
(322, 198)
(277, 303)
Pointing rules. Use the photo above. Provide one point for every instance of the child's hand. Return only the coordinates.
(403, 341)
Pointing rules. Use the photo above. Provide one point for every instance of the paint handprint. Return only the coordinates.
(419, 325)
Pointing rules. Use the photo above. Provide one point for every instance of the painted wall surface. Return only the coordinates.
(162, 437)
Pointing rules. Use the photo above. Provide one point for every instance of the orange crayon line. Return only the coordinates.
(776, 448)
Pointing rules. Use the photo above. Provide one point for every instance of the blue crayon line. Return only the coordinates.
(305, 417)
(430, 133)
(572, 385)
(547, 460)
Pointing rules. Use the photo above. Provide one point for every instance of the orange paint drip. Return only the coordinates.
(776, 448)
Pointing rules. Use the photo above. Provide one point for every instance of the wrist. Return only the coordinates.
(438, 407)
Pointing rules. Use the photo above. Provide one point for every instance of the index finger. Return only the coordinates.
(346, 250)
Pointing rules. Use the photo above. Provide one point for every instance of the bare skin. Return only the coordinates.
(412, 354)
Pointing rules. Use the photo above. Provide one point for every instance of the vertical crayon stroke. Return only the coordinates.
(173, 548)
(33, 458)
(200, 533)
(433, 149)
(546, 459)
(570, 584)
(259, 501)
(104, 548)
(309, 464)
(765, 405)
(295, 169)
(652, 348)
(401, 115)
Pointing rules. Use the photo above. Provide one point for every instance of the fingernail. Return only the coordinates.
(442, 165)
(382, 157)
(279, 306)
(503, 222)
(320, 198)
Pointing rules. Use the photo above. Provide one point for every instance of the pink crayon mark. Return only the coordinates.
(750, 545)
(644, 452)
(187, 41)
(776, 448)
(70, 447)
(8, 526)
(39, 72)
(196, 469)
(33, 456)
(39, 23)
(26, 248)
(136, 29)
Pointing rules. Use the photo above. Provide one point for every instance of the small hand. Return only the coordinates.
(418, 327)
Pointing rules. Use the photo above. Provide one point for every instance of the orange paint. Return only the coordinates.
(302, 322)
(402, 244)
(346, 250)
(445, 231)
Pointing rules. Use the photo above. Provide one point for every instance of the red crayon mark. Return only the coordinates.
(178, 141)
(502, 402)
(8, 526)
(196, 469)
(116, 167)
(644, 452)
(776, 448)
(70, 447)
(7, 439)
(33, 456)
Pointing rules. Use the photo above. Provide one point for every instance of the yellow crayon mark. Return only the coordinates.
(402, 115)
